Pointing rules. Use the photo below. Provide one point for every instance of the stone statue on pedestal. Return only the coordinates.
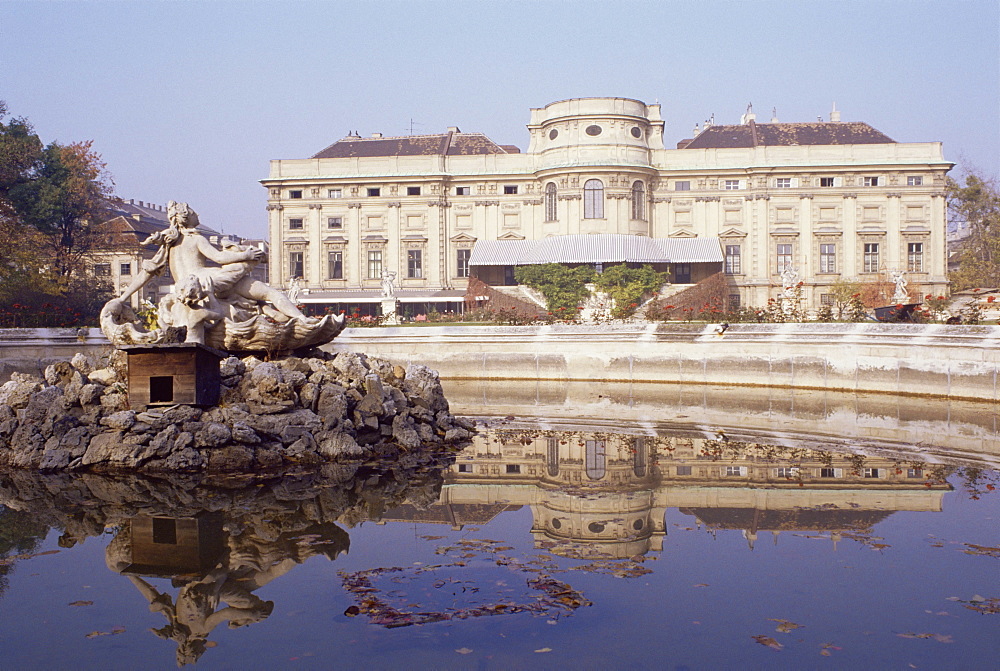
(215, 301)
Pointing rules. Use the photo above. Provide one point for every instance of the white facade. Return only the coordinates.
(835, 201)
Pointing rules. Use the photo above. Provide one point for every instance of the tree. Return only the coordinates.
(627, 286)
(53, 205)
(564, 288)
(976, 205)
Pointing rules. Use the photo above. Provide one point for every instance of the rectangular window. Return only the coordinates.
(374, 264)
(465, 468)
(125, 269)
(870, 181)
(731, 184)
(513, 468)
(463, 262)
(463, 190)
(734, 264)
(787, 472)
(914, 180)
(783, 183)
(295, 193)
(914, 472)
(826, 181)
(296, 264)
(735, 470)
(734, 302)
(334, 193)
(374, 191)
(295, 224)
(872, 473)
(915, 257)
(510, 190)
(826, 299)
(871, 257)
(102, 269)
(335, 265)
(414, 264)
(784, 256)
(828, 258)
(335, 222)
(830, 473)
(682, 186)
(413, 191)
(683, 470)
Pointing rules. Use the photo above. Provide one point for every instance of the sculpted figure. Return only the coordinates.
(901, 295)
(215, 299)
(789, 279)
(388, 283)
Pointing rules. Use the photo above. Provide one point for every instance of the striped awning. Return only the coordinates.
(600, 248)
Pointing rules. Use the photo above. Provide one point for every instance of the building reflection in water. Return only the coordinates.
(595, 493)
(592, 493)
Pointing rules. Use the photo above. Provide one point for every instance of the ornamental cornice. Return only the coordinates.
(707, 199)
(850, 195)
(315, 206)
(352, 206)
(762, 196)
(532, 201)
(619, 196)
(661, 200)
(805, 196)
(439, 203)
(487, 203)
(394, 203)
(275, 206)
(894, 195)
(570, 196)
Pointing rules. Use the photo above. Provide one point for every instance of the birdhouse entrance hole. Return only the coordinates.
(161, 389)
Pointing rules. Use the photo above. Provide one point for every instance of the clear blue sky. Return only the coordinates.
(190, 100)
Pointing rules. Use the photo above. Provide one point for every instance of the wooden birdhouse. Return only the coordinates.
(183, 373)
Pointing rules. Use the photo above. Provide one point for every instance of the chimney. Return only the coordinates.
(774, 115)
(453, 129)
(697, 130)
(748, 116)
(377, 136)
(834, 114)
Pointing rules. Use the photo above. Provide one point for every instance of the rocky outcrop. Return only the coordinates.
(294, 411)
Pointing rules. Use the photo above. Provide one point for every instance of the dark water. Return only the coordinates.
(583, 527)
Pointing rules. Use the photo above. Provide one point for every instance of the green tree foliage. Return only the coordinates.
(977, 204)
(627, 286)
(53, 204)
(564, 287)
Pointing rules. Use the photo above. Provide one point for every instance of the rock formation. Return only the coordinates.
(273, 415)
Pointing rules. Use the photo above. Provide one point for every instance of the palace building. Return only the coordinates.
(830, 200)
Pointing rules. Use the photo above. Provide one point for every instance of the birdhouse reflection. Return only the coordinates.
(215, 572)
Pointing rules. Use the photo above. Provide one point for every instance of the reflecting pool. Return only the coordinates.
(586, 526)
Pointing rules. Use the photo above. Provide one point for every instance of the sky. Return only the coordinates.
(189, 101)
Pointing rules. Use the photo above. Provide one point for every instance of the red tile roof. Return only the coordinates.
(449, 144)
(788, 134)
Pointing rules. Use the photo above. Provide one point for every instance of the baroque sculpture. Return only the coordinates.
(215, 300)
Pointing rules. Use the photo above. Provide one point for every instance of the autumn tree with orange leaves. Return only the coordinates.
(53, 204)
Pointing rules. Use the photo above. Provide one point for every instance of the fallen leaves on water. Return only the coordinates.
(81, 603)
(464, 651)
(827, 647)
(768, 641)
(785, 626)
(7, 561)
(981, 550)
(114, 631)
(981, 604)
(700, 584)
(544, 650)
(940, 638)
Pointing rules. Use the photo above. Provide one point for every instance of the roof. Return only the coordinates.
(443, 144)
(756, 134)
(600, 248)
(779, 520)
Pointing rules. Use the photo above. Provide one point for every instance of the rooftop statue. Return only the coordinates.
(215, 299)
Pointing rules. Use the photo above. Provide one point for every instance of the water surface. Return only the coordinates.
(588, 526)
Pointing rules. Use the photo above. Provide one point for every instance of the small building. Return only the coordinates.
(186, 373)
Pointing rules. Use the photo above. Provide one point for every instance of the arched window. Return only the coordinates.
(552, 456)
(638, 202)
(550, 201)
(596, 462)
(639, 457)
(593, 199)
